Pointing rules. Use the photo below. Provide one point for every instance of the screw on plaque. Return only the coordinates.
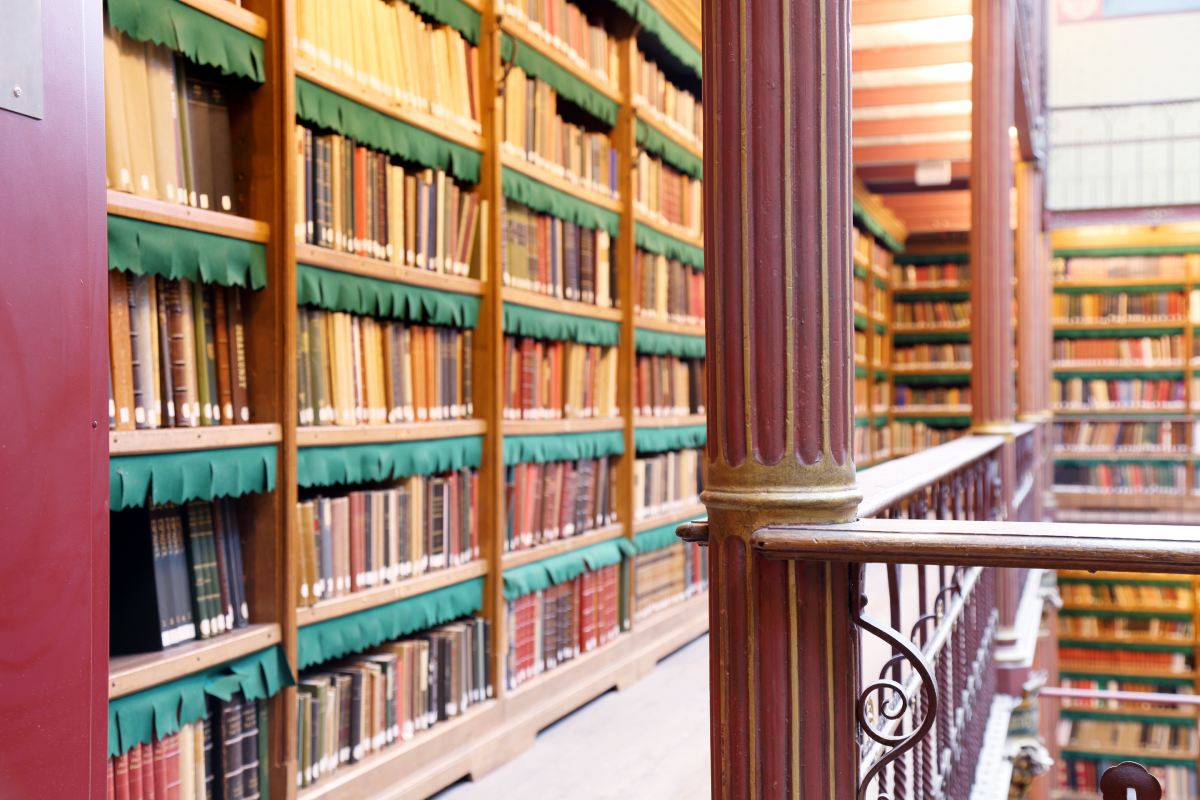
(1129, 781)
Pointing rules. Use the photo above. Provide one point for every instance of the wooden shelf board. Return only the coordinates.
(900, 327)
(386, 270)
(880, 411)
(539, 173)
(520, 427)
(439, 126)
(323, 435)
(389, 593)
(1109, 499)
(691, 512)
(174, 440)
(1171, 322)
(516, 558)
(933, 286)
(685, 329)
(1106, 283)
(527, 37)
(232, 14)
(524, 297)
(928, 411)
(147, 209)
(673, 231)
(129, 674)
(683, 421)
(859, 308)
(661, 123)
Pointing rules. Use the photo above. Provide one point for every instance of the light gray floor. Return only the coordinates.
(650, 741)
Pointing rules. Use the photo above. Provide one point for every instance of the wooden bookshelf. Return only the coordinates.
(524, 36)
(562, 184)
(682, 421)
(690, 512)
(386, 270)
(324, 435)
(525, 427)
(388, 593)
(235, 15)
(674, 231)
(515, 558)
(174, 440)
(129, 674)
(664, 326)
(122, 204)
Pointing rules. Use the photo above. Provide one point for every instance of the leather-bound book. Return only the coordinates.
(235, 307)
(223, 356)
(202, 191)
(141, 350)
(120, 350)
(250, 742)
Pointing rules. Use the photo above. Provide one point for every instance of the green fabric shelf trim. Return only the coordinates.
(660, 440)
(339, 465)
(1087, 612)
(860, 322)
(541, 448)
(913, 337)
(534, 194)
(566, 84)
(860, 422)
(860, 371)
(1117, 333)
(190, 475)
(655, 142)
(148, 248)
(353, 633)
(1155, 647)
(880, 327)
(921, 259)
(658, 538)
(375, 297)
(1100, 252)
(879, 422)
(1090, 462)
(875, 229)
(539, 323)
(655, 241)
(1149, 761)
(938, 422)
(881, 282)
(918, 379)
(159, 711)
(860, 271)
(203, 39)
(661, 343)
(538, 575)
(935, 295)
(1133, 373)
(455, 13)
(1085, 288)
(1182, 680)
(1149, 716)
(319, 106)
(1073, 581)
(674, 42)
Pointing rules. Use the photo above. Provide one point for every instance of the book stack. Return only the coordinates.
(1144, 350)
(667, 576)
(861, 292)
(568, 29)
(667, 481)
(861, 345)
(177, 353)
(551, 256)
(558, 379)
(931, 313)
(1129, 736)
(360, 201)
(1110, 268)
(909, 437)
(176, 575)
(667, 104)
(1121, 477)
(374, 537)
(535, 130)
(1144, 437)
(862, 394)
(1118, 307)
(665, 194)
(357, 370)
(1086, 658)
(349, 709)
(925, 355)
(1122, 685)
(218, 756)
(388, 48)
(907, 396)
(927, 276)
(556, 500)
(881, 441)
(1083, 775)
(1069, 393)
(549, 627)
(667, 290)
(862, 444)
(668, 386)
(1166, 598)
(1147, 628)
(167, 127)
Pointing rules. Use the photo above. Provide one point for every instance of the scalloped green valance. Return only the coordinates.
(365, 463)
(674, 42)
(1116, 333)
(353, 633)
(937, 422)
(922, 259)
(159, 711)
(544, 199)
(319, 106)
(455, 13)
(540, 448)
(1103, 252)
(148, 248)
(660, 440)
(375, 297)
(561, 568)
(1109, 375)
(190, 475)
(654, 141)
(539, 323)
(875, 229)
(932, 295)
(658, 538)
(658, 242)
(932, 379)
(660, 343)
(569, 87)
(203, 39)
(1085, 288)
(915, 337)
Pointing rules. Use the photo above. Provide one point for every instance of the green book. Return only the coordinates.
(203, 555)
(204, 390)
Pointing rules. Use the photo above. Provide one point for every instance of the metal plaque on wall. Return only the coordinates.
(21, 57)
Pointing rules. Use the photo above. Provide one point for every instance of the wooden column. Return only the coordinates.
(777, 241)
(1033, 312)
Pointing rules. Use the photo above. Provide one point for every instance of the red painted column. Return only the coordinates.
(777, 241)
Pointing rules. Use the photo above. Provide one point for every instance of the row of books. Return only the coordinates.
(352, 708)
(881, 392)
(557, 500)
(676, 108)
(394, 52)
(373, 537)
(667, 481)
(924, 313)
(550, 256)
(558, 380)
(909, 437)
(1104, 268)
(871, 394)
(361, 201)
(1117, 307)
(862, 395)
(167, 127)
(1165, 630)
(667, 576)
(177, 353)
(1083, 775)
(667, 290)
(1159, 737)
(219, 756)
(550, 133)
(552, 626)
(871, 443)
(912, 276)
(668, 195)
(1086, 594)
(945, 354)
(1088, 658)
(1069, 393)
(907, 396)
(357, 370)
(567, 28)
(1123, 685)
(1131, 351)
(176, 575)
(1086, 435)
(668, 386)
(1121, 477)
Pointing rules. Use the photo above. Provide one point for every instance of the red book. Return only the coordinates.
(358, 242)
(121, 776)
(110, 788)
(357, 540)
(473, 480)
(135, 773)
(159, 772)
(173, 780)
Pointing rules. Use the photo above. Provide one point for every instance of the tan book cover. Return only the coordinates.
(164, 121)
(136, 82)
(119, 165)
(119, 349)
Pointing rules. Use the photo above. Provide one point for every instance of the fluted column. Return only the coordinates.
(1033, 311)
(780, 353)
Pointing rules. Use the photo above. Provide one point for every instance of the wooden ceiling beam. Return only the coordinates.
(870, 12)
(903, 153)
(897, 127)
(908, 95)
(925, 55)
